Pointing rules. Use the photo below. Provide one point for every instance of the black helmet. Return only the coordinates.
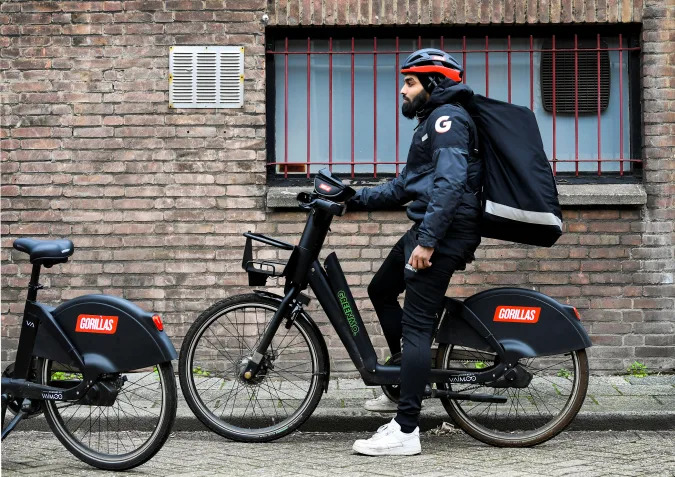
(431, 66)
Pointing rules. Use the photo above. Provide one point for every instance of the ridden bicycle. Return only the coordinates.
(97, 366)
(510, 369)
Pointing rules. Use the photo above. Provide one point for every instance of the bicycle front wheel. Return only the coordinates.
(531, 414)
(286, 389)
(127, 429)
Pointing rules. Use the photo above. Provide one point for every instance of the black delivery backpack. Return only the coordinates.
(520, 198)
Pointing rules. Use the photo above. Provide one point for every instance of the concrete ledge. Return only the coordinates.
(570, 195)
(282, 197)
(602, 194)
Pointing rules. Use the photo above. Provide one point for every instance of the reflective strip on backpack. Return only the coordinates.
(541, 218)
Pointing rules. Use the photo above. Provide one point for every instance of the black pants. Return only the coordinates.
(425, 291)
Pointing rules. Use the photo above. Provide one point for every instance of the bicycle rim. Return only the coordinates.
(118, 436)
(531, 414)
(272, 404)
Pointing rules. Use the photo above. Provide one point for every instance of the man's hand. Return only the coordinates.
(420, 257)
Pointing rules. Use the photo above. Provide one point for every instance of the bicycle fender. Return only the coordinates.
(312, 324)
(110, 333)
(525, 322)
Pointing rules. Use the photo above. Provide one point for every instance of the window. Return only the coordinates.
(335, 100)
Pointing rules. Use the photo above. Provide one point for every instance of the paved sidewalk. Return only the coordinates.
(590, 454)
(635, 418)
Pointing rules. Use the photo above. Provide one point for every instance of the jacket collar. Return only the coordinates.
(447, 92)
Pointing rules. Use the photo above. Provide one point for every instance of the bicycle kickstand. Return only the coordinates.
(10, 427)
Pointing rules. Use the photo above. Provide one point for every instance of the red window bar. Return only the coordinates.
(464, 51)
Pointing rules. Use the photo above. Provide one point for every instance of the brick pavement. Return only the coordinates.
(628, 453)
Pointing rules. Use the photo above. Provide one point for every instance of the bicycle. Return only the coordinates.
(510, 369)
(97, 366)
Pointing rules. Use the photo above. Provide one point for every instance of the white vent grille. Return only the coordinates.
(206, 77)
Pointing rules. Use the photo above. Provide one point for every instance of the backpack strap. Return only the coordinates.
(475, 153)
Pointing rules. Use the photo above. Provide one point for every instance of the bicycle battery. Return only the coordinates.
(353, 320)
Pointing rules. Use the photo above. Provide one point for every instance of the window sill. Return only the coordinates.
(571, 195)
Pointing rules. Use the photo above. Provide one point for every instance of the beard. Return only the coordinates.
(409, 109)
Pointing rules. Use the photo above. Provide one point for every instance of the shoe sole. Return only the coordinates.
(373, 409)
(382, 452)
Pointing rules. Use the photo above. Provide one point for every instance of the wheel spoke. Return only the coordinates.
(97, 432)
(271, 402)
(532, 413)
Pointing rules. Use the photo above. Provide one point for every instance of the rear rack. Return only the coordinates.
(259, 270)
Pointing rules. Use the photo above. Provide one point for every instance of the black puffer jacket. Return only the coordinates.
(441, 178)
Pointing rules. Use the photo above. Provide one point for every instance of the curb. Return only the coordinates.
(367, 422)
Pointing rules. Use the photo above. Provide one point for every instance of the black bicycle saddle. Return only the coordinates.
(46, 252)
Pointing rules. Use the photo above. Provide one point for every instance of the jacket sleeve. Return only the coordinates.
(448, 130)
(388, 194)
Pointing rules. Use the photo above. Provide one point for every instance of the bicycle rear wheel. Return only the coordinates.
(123, 432)
(286, 389)
(531, 414)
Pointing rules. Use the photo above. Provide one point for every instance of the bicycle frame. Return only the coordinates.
(19, 386)
(331, 289)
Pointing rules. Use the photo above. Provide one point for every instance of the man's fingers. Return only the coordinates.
(418, 260)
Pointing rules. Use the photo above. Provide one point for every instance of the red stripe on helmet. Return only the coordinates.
(447, 72)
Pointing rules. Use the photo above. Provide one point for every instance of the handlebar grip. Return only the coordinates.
(330, 207)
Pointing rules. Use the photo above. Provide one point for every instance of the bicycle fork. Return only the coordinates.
(287, 308)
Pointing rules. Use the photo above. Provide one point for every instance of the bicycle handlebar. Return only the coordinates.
(314, 201)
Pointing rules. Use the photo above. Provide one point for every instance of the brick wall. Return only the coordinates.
(156, 199)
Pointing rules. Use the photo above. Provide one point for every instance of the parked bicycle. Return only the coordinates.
(97, 366)
(510, 369)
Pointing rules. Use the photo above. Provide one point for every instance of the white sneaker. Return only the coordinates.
(390, 440)
(381, 404)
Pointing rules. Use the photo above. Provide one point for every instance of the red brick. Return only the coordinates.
(30, 132)
(415, 13)
(245, 4)
(532, 13)
(144, 5)
(484, 11)
(40, 143)
(601, 10)
(93, 132)
(424, 18)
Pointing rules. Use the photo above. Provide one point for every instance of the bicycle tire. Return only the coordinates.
(502, 430)
(209, 370)
(151, 427)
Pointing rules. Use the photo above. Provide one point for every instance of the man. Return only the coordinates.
(441, 180)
